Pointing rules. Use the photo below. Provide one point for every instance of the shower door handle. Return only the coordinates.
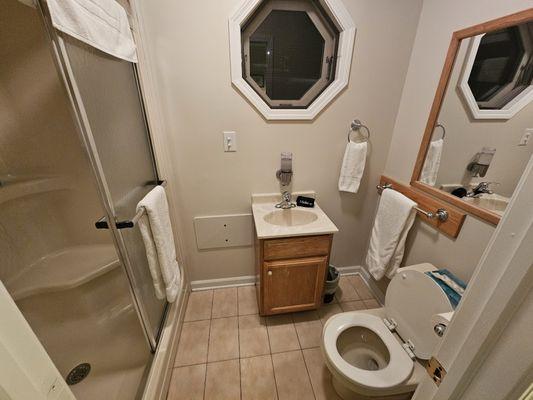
(101, 223)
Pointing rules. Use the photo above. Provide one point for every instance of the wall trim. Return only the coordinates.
(360, 270)
(247, 280)
(349, 270)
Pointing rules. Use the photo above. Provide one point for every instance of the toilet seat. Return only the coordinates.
(398, 369)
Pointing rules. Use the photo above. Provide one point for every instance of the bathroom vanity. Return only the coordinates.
(292, 250)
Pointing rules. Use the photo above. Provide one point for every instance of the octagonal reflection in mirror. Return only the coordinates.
(503, 66)
(289, 51)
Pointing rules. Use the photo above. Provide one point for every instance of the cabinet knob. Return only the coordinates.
(269, 273)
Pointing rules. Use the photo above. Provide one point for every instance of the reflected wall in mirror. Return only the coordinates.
(471, 161)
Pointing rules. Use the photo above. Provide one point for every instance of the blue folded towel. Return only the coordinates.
(452, 286)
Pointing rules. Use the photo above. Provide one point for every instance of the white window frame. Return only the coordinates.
(329, 50)
(339, 15)
(511, 108)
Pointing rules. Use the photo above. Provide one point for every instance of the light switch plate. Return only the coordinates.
(230, 141)
(526, 137)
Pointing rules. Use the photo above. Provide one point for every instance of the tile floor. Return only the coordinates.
(228, 352)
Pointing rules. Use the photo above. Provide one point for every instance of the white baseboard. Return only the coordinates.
(246, 280)
(350, 270)
(360, 270)
(249, 280)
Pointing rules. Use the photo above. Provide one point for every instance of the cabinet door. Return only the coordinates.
(293, 285)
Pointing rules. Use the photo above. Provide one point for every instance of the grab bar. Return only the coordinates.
(441, 214)
(102, 222)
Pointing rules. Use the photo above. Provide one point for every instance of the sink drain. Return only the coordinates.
(78, 373)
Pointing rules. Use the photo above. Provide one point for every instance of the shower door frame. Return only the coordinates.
(62, 61)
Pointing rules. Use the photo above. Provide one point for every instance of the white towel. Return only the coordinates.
(158, 240)
(353, 165)
(432, 163)
(394, 218)
(100, 23)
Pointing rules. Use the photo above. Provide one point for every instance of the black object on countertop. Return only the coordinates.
(459, 192)
(303, 201)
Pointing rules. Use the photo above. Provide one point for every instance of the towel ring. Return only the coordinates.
(443, 130)
(356, 125)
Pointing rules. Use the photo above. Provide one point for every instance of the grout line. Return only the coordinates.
(271, 360)
(274, 375)
(302, 352)
(208, 340)
(308, 374)
(239, 345)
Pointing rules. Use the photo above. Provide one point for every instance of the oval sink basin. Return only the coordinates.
(489, 202)
(290, 217)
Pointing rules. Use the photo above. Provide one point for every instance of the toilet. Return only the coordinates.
(382, 353)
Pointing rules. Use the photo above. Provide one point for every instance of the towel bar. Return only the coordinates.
(102, 222)
(441, 214)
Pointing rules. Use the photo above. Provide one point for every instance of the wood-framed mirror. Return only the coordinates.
(479, 134)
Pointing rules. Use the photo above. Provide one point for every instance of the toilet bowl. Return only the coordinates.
(381, 353)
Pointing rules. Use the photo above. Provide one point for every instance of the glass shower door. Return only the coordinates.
(65, 276)
(110, 96)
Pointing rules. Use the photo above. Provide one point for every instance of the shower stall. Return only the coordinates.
(75, 156)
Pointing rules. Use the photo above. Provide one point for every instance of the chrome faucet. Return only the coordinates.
(285, 201)
(481, 188)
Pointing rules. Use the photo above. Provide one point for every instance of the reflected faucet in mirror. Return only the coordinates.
(481, 188)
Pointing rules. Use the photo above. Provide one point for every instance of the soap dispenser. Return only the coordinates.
(481, 162)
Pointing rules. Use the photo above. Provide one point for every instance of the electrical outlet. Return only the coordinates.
(230, 141)
(525, 137)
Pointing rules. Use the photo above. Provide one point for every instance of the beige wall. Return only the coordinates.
(188, 43)
(466, 136)
(437, 22)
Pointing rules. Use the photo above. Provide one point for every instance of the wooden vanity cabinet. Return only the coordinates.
(291, 273)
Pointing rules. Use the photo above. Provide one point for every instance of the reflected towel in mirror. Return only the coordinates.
(432, 163)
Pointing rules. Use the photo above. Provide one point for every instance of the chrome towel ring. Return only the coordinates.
(356, 125)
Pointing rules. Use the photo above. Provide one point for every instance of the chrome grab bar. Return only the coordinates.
(441, 214)
(102, 222)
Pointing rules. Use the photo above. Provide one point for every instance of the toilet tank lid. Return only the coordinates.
(411, 300)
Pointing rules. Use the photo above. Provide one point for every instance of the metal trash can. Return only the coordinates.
(332, 282)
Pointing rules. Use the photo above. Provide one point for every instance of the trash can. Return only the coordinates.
(332, 282)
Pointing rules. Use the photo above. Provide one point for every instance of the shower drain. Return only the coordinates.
(78, 373)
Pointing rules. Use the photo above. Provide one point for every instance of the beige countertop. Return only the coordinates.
(298, 221)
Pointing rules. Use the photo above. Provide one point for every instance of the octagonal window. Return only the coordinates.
(289, 50)
(503, 67)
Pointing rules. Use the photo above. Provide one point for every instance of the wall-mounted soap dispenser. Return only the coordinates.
(284, 174)
(481, 162)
